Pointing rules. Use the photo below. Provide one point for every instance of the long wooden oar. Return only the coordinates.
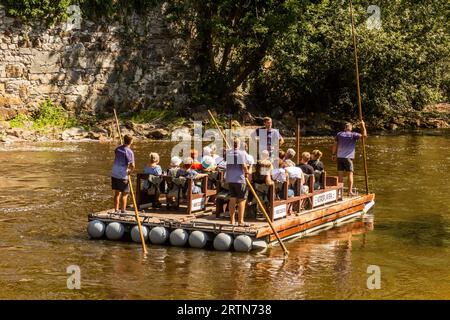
(261, 206)
(136, 212)
(358, 89)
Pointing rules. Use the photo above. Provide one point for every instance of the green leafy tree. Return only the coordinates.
(403, 66)
(233, 39)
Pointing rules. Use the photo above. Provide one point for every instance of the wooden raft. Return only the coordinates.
(207, 221)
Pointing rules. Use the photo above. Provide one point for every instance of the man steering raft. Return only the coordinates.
(344, 149)
(269, 139)
(236, 172)
(123, 166)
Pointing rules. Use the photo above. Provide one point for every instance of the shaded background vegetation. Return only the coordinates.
(275, 56)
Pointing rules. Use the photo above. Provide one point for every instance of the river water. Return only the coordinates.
(48, 189)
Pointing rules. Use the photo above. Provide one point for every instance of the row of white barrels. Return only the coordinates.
(178, 237)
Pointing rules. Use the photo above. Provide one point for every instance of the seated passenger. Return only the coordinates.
(196, 165)
(295, 173)
(172, 172)
(306, 168)
(174, 166)
(265, 155)
(153, 167)
(262, 173)
(152, 185)
(206, 152)
(221, 162)
(262, 178)
(290, 154)
(208, 164)
(209, 167)
(281, 154)
(214, 152)
(278, 175)
(315, 162)
(187, 171)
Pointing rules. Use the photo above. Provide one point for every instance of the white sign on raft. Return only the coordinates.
(325, 197)
(279, 211)
(197, 204)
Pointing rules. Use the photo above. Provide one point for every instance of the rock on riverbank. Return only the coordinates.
(432, 117)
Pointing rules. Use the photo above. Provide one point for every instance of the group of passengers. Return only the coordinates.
(238, 165)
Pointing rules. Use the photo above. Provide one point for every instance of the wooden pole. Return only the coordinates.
(358, 89)
(136, 212)
(298, 141)
(261, 206)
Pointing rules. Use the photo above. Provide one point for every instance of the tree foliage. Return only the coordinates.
(403, 66)
(234, 38)
(298, 55)
(56, 10)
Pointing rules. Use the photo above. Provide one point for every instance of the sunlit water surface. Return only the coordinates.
(48, 189)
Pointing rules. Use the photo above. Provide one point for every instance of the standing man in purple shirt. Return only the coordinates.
(269, 138)
(236, 172)
(123, 166)
(344, 149)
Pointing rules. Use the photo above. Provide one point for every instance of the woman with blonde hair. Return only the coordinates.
(315, 162)
(152, 185)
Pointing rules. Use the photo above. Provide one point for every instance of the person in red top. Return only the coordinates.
(196, 165)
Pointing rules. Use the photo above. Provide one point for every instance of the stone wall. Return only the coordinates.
(136, 64)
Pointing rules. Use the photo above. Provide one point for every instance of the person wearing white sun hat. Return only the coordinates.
(208, 163)
(174, 166)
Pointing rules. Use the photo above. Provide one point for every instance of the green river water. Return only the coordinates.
(48, 189)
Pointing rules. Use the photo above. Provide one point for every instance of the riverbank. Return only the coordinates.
(432, 117)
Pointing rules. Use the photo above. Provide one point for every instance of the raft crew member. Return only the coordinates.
(122, 167)
(236, 172)
(306, 168)
(344, 149)
(315, 162)
(153, 169)
(273, 137)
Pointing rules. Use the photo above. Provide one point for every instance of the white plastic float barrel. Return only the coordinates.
(223, 242)
(179, 237)
(243, 243)
(136, 236)
(115, 231)
(259, 244)
(158, 235)
(198, 239)
(96, 229)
